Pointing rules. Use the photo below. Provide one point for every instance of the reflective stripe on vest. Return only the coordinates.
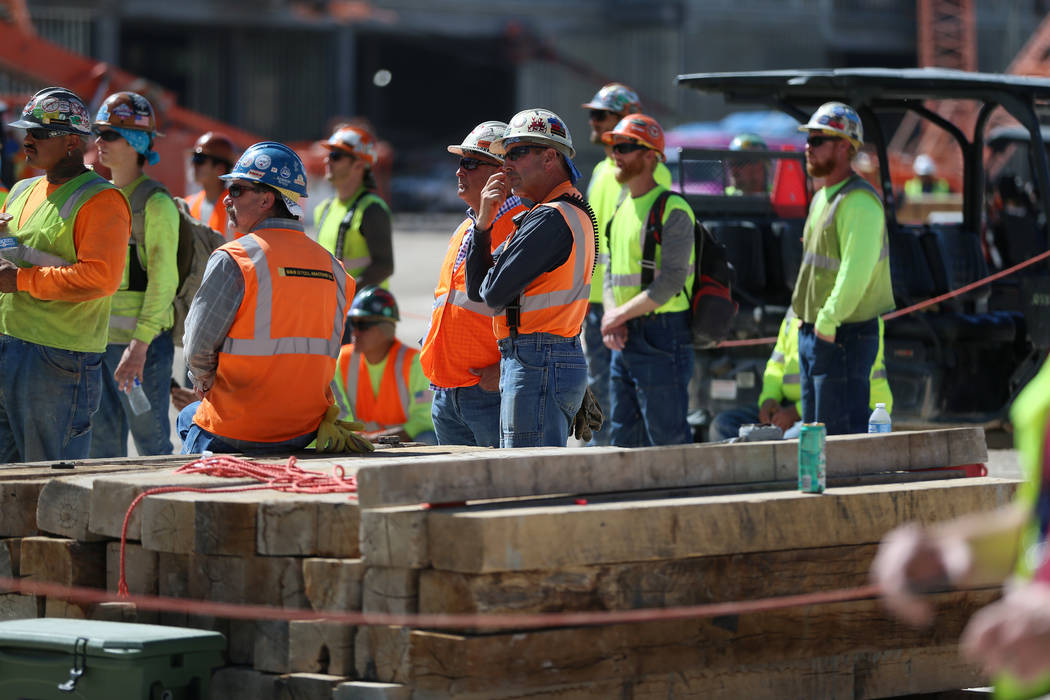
(828, 263)
(353, 370)
(791, 379)
(124, 323)
(263, 344)
(580, 288)
(460, 299)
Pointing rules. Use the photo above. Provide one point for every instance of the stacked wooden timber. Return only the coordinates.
(447, 530)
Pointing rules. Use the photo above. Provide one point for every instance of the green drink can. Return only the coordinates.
(811, 467)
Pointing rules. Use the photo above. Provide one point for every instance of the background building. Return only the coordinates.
(424, 71)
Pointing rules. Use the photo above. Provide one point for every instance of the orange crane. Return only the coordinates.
(36, 60)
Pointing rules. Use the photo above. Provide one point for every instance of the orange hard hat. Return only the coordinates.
(355, 141)
(637, 127)
(217, 145)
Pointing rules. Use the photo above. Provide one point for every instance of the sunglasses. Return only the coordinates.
(599, 115)
(339, 155)
(109, 136)
(364, 325)
(44, 134)
(818, 141)
(202, 158)
(473, 163)
(237, 189)
(522, 151)
(625, 148)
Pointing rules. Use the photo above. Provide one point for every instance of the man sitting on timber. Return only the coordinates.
(379, 380)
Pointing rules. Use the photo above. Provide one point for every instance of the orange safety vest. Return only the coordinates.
(556, 302)
(460, 336)
(218, 219)
(277, 362)
(389, 408)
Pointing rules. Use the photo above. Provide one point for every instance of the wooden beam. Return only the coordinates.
(544, 471)
(520, 536)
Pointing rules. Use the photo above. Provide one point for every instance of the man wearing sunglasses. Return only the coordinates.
(213, 157)
(538, 281)
(65, 238)
(843, 282)
(647, 327)
(604, 193)
(460, 355)
(379, 380)
(355, 224)
(264, 329)
(140, 349)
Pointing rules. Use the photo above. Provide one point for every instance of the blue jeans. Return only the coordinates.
(836, 377)
(598, 358)
(466, 415)
(196, 439)
(650, 382)
(542, 379)
(727, 423)
(151, 430)
(47, 396)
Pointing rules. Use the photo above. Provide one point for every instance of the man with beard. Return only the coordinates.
(264, 330)
(843, 283)
(65, 237)
(647, 326)
(604, 193)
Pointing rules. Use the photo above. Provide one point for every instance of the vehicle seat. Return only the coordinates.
(961, 262)
(909, 268)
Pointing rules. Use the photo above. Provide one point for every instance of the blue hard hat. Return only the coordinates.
(274, 164)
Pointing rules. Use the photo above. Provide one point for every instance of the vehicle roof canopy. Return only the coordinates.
(866, 85)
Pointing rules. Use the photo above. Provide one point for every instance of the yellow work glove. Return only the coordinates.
(589, 418)
(335, 435)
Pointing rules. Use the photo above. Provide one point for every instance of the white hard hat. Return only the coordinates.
(836, 119)
(480, 140)
(923, 165)
(539, 126)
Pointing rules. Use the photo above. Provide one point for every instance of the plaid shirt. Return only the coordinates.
(511, 202)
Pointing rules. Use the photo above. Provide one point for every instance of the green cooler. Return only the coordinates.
(59, 659)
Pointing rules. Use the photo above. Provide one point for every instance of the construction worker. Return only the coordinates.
(460, 355)
(780, 402)
(647, 326)
(538, 282)
(608, 106)
(379, 379)
(71, 231)
(355, 224)
(1011, 636)
(925, 182)
(264, 330)
(140, 349)
(747, 176)
(213, 157)
(843, 283)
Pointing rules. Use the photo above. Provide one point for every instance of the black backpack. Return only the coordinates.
(710, 299)
(196, 242)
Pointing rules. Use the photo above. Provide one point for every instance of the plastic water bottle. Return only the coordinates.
(880, 420)
(137, 398)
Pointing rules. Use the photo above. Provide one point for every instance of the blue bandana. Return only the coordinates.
(140, 141)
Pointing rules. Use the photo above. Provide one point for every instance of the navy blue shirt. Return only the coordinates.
(542, 243)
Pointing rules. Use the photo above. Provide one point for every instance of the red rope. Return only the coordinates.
(287, 477)
(436, 620)
(914, 307)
